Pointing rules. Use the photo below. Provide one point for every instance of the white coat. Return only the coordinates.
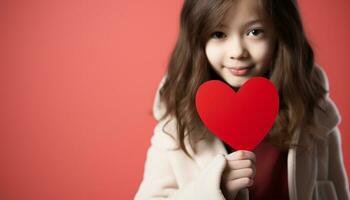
(314, 175)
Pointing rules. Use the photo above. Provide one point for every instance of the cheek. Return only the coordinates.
(262, 52)
(213, 55)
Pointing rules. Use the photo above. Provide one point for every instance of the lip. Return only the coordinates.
(240, 67)
(240, 71)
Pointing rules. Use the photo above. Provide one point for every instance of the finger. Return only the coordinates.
(241, 155)
(240, 173)
(239, 164)
(239, 184)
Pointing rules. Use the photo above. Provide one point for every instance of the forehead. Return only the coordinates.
(243, 12)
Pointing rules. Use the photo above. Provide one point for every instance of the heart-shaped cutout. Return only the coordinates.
(241, 119)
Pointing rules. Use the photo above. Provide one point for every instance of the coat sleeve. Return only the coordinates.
(159, 180)
(337, 172)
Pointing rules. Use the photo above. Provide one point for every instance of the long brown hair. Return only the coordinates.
(292, 72)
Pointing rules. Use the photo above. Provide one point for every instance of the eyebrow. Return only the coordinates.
(245, 25)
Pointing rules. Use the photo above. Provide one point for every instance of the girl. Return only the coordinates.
(232, 41)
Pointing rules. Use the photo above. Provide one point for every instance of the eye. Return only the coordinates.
(256, 32)
(217, 35)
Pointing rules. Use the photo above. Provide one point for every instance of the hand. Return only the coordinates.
(238, 173)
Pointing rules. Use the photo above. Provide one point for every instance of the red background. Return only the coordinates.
(77, 83)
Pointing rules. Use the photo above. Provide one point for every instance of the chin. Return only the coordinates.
(237, 83)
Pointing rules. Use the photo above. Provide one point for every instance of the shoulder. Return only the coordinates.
(327, 115)
(320, 74)
(165, 136)
(158, 106)
(165, 132)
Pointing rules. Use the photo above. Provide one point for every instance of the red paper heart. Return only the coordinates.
(240, 119)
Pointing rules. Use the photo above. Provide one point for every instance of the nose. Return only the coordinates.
(236, 48)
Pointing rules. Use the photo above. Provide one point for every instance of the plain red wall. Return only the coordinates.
(77, 83)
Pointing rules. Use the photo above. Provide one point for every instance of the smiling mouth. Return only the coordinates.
(240, 71)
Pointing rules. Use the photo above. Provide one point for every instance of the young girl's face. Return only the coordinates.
(243, 46)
